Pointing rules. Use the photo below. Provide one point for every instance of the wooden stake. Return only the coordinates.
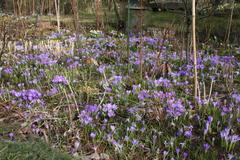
(194, 50)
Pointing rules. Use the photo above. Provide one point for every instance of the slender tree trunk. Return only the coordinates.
(98, 11)
(117, 13)
(75, 10)
(229, 24)
(194, 50)
(50, 6)
(75, 14)
(33, 7)
(29, 7)
(97, 5)
(141, 39)
(57, 8)
(14, 7)
(42, 7)
(187, 29)
(3, 39)
(2, 4)
(19, 7)
(25, 8)
(128, 30)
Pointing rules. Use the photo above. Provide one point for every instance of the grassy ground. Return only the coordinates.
(29, 151)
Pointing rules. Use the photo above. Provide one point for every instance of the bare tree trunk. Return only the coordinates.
(75, 10)
(25, 6)
(2, 4)
(14, 7)
(97, 14)
(194, 50)
(117, 12)
(128, 29)
(19, 7)
(28, 7)
(33, 7)
(187, 29)
(57, 8)
(4, 32)
(42, 7)
(50, 6)
(229, 24)
(141, 39)
(75, 15)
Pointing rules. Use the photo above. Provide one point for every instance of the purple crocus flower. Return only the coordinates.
(175, 108)
(110, 108)
(143, 95)
(112, 128)
(33, 94)
(85, 117)
(15, 93)
(236, 97)
(230, 156)
(234, 138)
(208, 124)
(188, 134)
(210, 118)
(178, 150)
(134, 142)
(185, 154)
(52, 91)
(117, 80)
(76, 144)
(92, 135)
(59, 79)
(26, 74)
(180, 132)
(224, 133)
(8, 70)
(238, 120)
(206, 146)
(101, 68)
(46, 60)
(111, 113)
(11, 134)
(30, 95)
(165, 153)
(92, 108)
